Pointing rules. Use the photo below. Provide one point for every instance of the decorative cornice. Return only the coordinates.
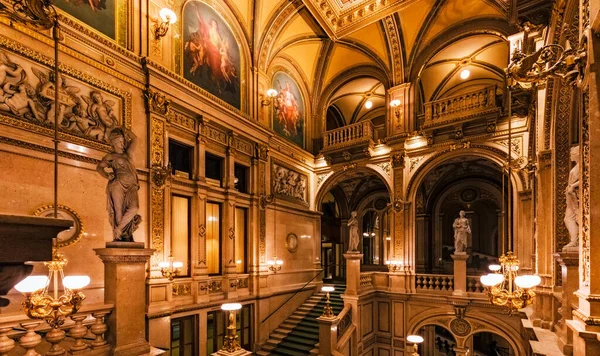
(588, 320)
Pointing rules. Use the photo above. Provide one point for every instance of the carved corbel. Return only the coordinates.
(157, 102)
(399, 160)
(160, 174)
(265, 200)
(262, 151)
(458, 132)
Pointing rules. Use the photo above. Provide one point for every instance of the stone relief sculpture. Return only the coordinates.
(462, 229)
(27, 92)
(572, 194)
(289, 183)
(122, 189)
(353, 235)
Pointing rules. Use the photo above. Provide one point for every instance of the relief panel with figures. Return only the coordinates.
(288, 183)
(27, 95)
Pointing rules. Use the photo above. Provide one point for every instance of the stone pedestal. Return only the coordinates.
(125, 287)
(569, 263)
(460, 273)
(240, 352)
(352, 273)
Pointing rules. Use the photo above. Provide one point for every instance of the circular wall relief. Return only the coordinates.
(380, 204)
(67, 237)
(291, 242)
(468, 195)
(460, 327)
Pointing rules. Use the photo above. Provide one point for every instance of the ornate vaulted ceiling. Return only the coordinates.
(345, 51)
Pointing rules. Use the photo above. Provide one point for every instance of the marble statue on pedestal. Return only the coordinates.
(353, 224)
(462, 229)
(572, 194)
(122, 188)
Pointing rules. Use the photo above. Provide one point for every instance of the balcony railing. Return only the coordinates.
(460, 106)
(84, 334)
(361, 132)
(436, 283)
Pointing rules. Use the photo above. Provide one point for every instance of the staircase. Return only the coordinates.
(299, 334)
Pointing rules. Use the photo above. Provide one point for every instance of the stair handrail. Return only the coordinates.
(298, 291)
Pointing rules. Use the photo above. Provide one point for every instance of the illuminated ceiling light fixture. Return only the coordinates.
(167, 17)
(465, 74)
(368, 104)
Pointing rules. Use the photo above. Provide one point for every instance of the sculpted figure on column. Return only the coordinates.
(122, 188)
(462, 229)
(572, 212)
(353, 224)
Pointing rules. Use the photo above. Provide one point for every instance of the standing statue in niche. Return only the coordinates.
(462, 229)
(122, 189)
(353, 224)
(572, 194)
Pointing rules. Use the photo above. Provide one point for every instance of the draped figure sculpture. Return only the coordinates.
(462, 229)
(122, 188)
(572, 217)
(353, 224)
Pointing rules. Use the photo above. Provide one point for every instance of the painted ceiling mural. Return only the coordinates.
(211, 54)
(288, 109)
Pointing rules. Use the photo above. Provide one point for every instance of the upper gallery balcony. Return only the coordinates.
(350, 139)
(475, 106)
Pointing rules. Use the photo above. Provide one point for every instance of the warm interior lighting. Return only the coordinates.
(465, 74)
(170, 269)
(32, 284)
(76, 282)
(231, 306)
(395, 103)
(271, 93)
(167, 15)
(527, 281)
(415, 339)
(491, 279)
(327, 310)
(368, 104)
(494, 268)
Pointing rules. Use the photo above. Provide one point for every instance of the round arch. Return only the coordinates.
(484, 322)
(488, 152)
(337, 177)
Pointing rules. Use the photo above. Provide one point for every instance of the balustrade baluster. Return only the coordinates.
(6, 343)
(31, 339)
(78, 332)
(98, 329)
(54, 337)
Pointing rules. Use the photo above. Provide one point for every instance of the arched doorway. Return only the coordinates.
(437, 341)
(467, 183)
(489, 344)
(364, 191)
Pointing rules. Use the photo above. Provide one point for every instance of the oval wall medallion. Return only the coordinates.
(67, 237)
(291, 242)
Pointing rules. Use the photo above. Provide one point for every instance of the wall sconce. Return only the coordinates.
(327, 310)
(167, 17)
(275, 264)
(394, 265)
(415, 340)
(170, 269)
(271, 93)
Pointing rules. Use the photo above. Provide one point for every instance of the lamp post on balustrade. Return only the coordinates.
(415, 340)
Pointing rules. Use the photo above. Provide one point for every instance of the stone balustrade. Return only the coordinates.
(83, 334)
(460, 106)
(347, 136)
(434, 283)
(474, 285)
(366, 281)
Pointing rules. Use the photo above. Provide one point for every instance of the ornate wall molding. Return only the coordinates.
(585, 187)
(289, 183)
(562, 163)
(157, 194)
(157, 102)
